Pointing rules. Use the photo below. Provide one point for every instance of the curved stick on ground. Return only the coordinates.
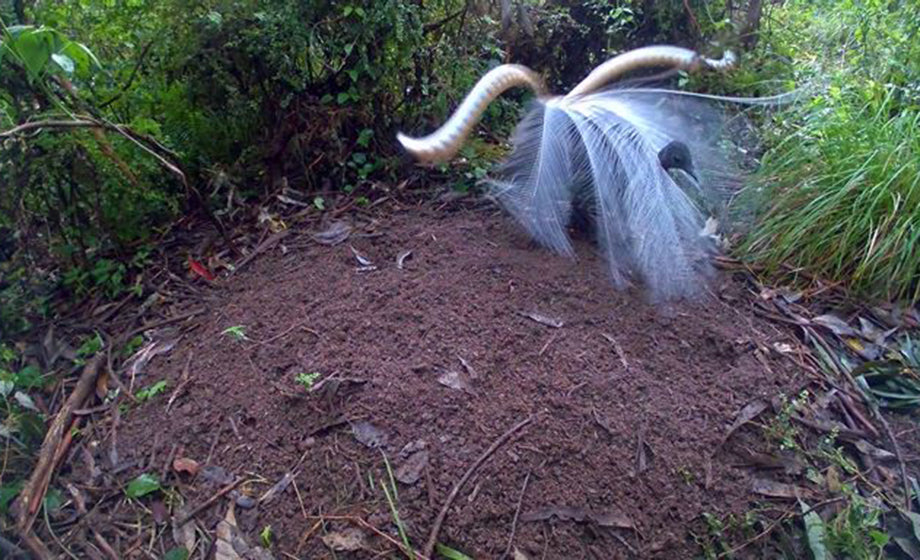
(443, 143)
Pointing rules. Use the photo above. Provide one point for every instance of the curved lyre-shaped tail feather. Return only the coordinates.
(646, 57)
(443, 144)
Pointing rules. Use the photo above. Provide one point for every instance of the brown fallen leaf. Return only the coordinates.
(231, 543)
(775, 489)
(349, 540)
(184, 535)
(609, 518)
(544, 320)
(336, 233)
(369, 434)
(411, 470)
(454, 380)
(518, 555)
(186, 465)
(749, 412)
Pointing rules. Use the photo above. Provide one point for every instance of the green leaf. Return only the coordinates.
(7, 493)
(34, 49)
(320, 203)
(815, 530)
(178, 553)
(450, 553)
(84, 58)
(142, 485)
(342, 97)
(364, 137)
(266, 536)
(29, 377)
(152, 391)
(53, 500)
(64, 62)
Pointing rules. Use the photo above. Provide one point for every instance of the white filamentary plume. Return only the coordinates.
(600, 150)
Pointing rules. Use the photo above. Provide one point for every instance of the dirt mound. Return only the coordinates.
(428, 364)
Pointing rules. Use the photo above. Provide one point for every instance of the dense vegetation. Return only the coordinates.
(843, 173)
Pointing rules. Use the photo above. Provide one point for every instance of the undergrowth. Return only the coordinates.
(840, 185)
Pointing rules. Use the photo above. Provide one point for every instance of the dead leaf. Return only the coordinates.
(200, 270)
(454, 380)
(368, 434)
(349, 540)
(217, 475)
(610, 518)
(835, 324)
(227, 533)
(154, 348)
(469, 369)
(336, 233)
(867, 448)
(749, 412)
(775, 489)
(544, 320)
(518, 555)
(401, 258)
(613, 518)
(184, 535)
(231, 543)
(411, 470)
(362, 260)
(186, 465)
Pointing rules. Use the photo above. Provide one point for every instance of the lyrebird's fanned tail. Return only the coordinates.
(443, 144)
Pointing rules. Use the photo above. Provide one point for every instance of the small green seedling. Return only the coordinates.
(148, 393)
(307, 379)
(238, 332)
(266, 536)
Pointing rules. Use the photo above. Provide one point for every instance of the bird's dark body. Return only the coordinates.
(583, 220)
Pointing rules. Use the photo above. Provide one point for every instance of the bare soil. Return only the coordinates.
(629, 402)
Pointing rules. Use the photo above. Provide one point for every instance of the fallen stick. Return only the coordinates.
(209, 502)
(34, 491)
(517, 513)
(439, 520)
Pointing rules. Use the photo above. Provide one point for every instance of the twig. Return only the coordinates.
(517, 513)
(34, 491)
(183, 383)
(163, 322)
(439, 520)
(897, 452)
(281, 334)
(209, 502)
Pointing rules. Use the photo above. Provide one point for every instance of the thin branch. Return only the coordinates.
(124, 88)
(436, 528)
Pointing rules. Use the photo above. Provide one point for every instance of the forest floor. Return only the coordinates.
(411, 347)
(426, 365)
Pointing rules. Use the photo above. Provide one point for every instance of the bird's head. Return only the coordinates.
(676, 155)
